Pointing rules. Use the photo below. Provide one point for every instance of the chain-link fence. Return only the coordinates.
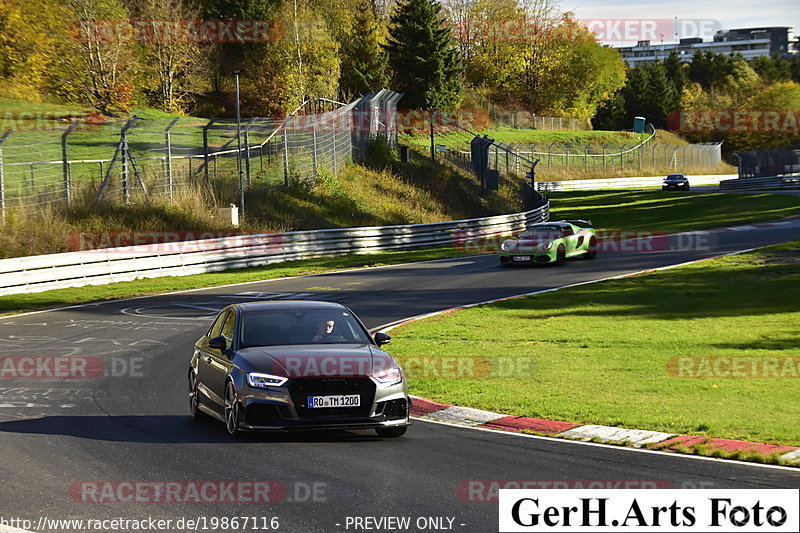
(769, 163)
(526, 119)
(642, 153)
(141, 159)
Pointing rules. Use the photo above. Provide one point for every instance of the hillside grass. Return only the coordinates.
(606, 353)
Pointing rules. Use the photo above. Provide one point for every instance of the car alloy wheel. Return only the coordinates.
(591, 250)
(194, 399)
(561, 255)
(232, 410)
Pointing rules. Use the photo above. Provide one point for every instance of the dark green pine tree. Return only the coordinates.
(661, 98)
(676, 72)
(423, 56)
(612, 114)
(364, 63)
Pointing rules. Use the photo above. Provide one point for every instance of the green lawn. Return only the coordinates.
(529, 136)
(601, 353)
(659, 211)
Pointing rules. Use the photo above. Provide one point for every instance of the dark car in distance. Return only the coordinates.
(296, 365)
(675, 182)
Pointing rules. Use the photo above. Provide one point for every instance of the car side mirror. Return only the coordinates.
(382, 338)
(218, 343)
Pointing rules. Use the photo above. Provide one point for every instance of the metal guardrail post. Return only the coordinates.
(66, 167)
(2, 181)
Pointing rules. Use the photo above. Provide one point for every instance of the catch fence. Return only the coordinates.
(140, 159)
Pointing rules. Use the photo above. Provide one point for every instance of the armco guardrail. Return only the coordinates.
(749, 184)
(622, 183)
(96, 267)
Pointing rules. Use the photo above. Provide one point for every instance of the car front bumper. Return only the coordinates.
(283, 409)
(540, 258)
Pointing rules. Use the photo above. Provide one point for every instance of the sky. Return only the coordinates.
(699, 18)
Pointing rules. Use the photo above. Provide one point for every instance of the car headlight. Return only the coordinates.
(388, 377)
(262, 381)
(508, 245)
(547, 245)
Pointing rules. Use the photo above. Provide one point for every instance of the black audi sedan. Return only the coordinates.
(675, 182)
(305, 365)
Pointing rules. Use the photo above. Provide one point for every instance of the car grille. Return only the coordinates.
(393, 409)
(259, 414)
(301, 389)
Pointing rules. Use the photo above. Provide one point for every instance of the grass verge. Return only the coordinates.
(606, 353)
(610, 210)
(660, 211)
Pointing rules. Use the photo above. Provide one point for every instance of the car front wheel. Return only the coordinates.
(391, 433)
(591, 250)
(232, 410)
(194, 399)
(561, 255)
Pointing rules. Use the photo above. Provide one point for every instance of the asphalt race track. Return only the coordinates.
(132, 424)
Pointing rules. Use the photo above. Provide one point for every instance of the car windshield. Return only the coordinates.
(541, 233)
(675, 177)
(292, 327)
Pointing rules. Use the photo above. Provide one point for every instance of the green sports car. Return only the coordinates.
(550, 242)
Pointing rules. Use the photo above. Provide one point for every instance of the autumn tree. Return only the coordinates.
(174, 65)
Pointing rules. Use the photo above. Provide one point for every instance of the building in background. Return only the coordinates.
(750, 43)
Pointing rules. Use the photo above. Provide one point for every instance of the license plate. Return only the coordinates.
(521, 258)
(340, 400)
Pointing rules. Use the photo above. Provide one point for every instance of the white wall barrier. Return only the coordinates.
(107, 265)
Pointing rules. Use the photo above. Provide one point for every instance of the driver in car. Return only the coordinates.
(325, 331)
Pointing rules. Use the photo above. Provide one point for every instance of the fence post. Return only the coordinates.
(314, 150)
(205, 154)
(586, 158)
(639, 152)
(2, 181)
(685, 147)
(65, 163)
(605, 165)
(549, 154)
(653, 146)
(333, 137)
(247, 153)
(285, 157)
(622, 157)
(33, 179)
(168, 159)
(433, 147)
(566, 146)
(261, 157)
